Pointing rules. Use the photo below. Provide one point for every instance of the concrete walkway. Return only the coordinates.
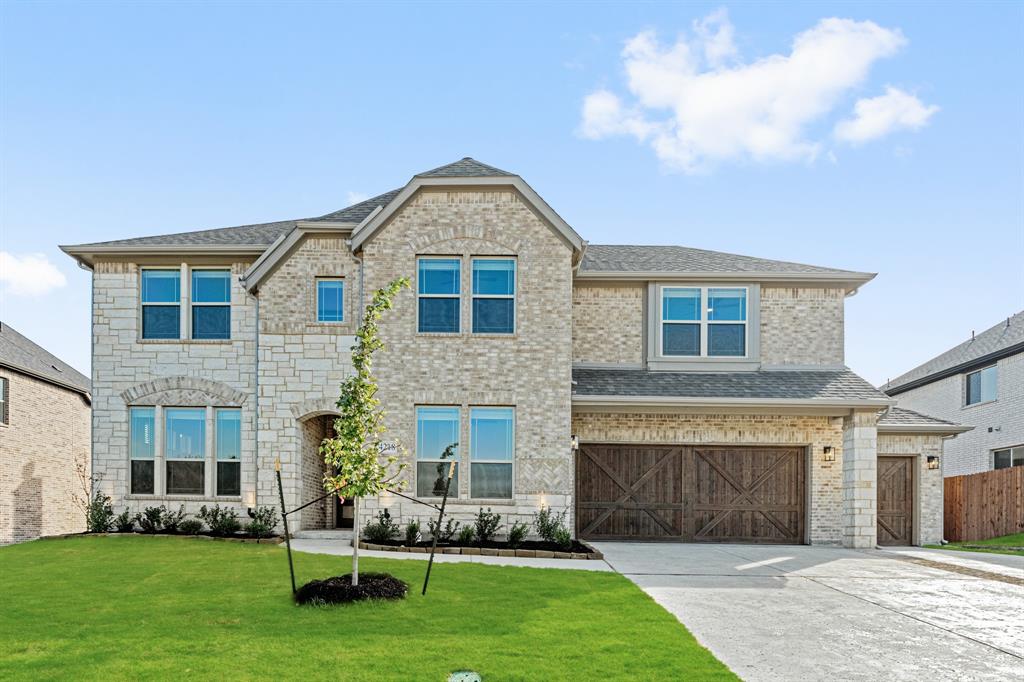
(813, 613)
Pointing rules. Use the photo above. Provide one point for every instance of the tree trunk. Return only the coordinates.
(355, 541)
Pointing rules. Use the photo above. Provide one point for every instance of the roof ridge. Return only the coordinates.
(467, 166)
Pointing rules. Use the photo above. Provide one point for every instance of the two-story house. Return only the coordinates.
(980, 383)
(652, 392)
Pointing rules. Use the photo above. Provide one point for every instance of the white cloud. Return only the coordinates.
(697, 104)
(878, 116)
(30, 274)
(356, 197)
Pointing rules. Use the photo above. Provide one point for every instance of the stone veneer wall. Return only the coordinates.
(302, 364)
(122, 361)
(860, 479)
(46, 437)
(608, 324)
(530, 370)
(824, 478)
(801, 326)
(928, 483)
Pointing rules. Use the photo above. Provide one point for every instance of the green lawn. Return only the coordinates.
(1000, 545)
(148, 607)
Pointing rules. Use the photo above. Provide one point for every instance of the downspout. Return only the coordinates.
(256, 385)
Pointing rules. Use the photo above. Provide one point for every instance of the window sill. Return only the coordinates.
(685, 363)
(472, 501)
(203, 342)
(469, 335)
(984, 402)
(182, 498)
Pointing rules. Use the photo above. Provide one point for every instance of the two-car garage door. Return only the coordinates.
(690, 493)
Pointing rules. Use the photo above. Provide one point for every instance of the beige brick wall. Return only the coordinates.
(801, 326)
(927, 484)
(608, 324)
(529, 370)
(824, 478)
(46, 437)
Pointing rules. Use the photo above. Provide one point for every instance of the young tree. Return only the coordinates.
(354, 453)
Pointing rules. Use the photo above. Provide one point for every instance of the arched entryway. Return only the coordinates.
(328, 513)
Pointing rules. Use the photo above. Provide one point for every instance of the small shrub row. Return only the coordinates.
(549, 525)
(222, 522)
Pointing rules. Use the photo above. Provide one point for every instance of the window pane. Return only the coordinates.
(186, 433)
(727, 339)
(142, 477)
(161, 322)
(490, 480)
(1018, 456)
(494, 315)
(727, 304)
(436, 429)
(439, 314)
(330, 305)
(161, 286)
(211, 286)
(431, 478)
(141, 446)
(185, 478)
(1002, 459)
(680, 339)
(680, 304)
(439, 275)
(211, 322)
(229, 434)
(491, 433)
(494, 277)
(973, 388)
(229, 478)
(989, 380)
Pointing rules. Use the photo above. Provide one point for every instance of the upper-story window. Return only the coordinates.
(494, 296)
(211, 304)
(439, 294)
(161, 304)
(704, 321)
(5, 414)
(981, 385)
(436, 429)
(330, 299)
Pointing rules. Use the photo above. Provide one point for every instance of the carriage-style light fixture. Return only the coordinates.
(830, 453)
(933, 461)
(574, 442)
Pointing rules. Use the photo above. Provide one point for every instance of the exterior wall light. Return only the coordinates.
(933, 461)
(574, 442)
(830, 453)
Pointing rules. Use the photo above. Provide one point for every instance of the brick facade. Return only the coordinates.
(802, 326)
(608, 324)
(46, 437)
(928, 483)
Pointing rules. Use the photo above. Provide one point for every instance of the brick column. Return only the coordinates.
(860, 477)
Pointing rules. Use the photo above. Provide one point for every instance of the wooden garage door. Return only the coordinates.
(702, 494)
(895, 500)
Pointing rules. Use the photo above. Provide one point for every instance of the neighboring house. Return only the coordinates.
(979, 383)
(651, 392)
(44, 441)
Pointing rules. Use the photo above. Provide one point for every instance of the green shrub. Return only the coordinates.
(466, 535)
(221, 522)
(487, 525)
(517, 533)
(549, 524)
(382, 530)
(412, 533)
(125, 521)
(151, 520)
(563, 538)
(99, 513)
(264, 521)
(172, 520)
(191, 526)
(443, 534)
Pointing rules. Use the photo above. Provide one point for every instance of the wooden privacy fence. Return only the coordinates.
(986, 505)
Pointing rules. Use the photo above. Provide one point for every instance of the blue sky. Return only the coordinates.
(121, 120)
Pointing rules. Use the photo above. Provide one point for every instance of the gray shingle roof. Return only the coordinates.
(901, 416)
(22, 354)
(465, 167)
(625, 258)
(841, 384)
(999, 339)
(357, 212)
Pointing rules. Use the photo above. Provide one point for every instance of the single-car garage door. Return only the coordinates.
(690, 493)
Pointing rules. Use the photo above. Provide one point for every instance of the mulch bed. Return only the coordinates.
(529, 549)
(340, 590)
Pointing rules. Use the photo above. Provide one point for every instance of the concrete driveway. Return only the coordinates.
(812, 613)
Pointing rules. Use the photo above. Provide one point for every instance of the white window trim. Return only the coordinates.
(153, 459)
(205, 459)
(452, 494)
(473, 460)
(182, 297)
(457, 297)
(704, 323)
(216, 454)
(513, 295)
(1010, 448)
(194, 304)
(344, 296)
(966, 394)
(5, 401)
